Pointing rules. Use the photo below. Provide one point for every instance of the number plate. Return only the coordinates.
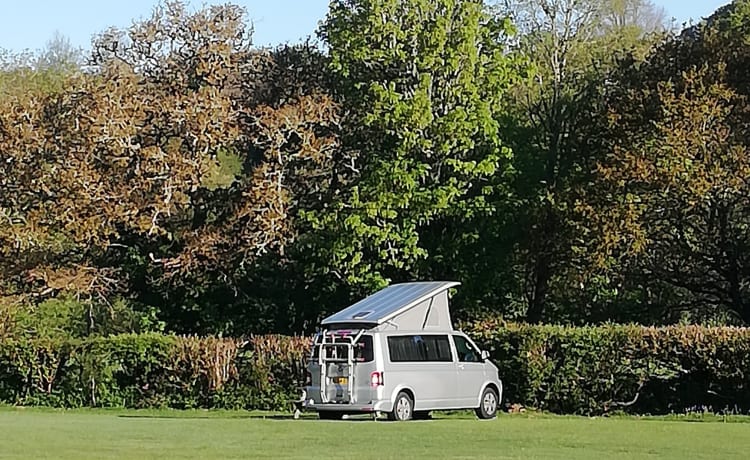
(341, 380)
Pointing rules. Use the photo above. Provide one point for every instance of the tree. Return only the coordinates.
(44, 70)
(683, 195)
(676, 208)
(571, 45)
(160, 169)
(59, 54)
(422, 81)
(638, 17)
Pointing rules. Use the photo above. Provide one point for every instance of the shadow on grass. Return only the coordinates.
(279, 417)
(217, 417)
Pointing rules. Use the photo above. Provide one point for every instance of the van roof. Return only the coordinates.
(389, 302)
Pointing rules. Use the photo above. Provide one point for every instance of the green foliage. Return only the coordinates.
(669, 201)
(152, 370)
(65, 317)
(44, 72)
(54, 318)
(562, 159)
(423, 80)
(275, 365)
(596, 370)
(586, 370)
(224, 171)
(553, 127)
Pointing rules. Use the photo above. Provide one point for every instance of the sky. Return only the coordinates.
(30, 24)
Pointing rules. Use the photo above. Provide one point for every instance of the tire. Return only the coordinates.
(403, 408)
(330, 415)
(487, 404)
(422, 415)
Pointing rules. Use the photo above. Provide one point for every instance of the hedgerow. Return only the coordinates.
(636, 369)
(153, 370)
(576, 370)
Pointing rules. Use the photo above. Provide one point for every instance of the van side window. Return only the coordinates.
(466, 351)
(416, 348)
(411, 348)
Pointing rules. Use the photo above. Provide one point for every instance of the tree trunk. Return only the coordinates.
(538, 298)
(729, 248)
(544, 251)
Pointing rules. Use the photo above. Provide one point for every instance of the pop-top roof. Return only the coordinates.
(389, 302)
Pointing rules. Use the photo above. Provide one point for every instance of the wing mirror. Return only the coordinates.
(485, 355)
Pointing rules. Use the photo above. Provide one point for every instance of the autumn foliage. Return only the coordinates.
(568, 162)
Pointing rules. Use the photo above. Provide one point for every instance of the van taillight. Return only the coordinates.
(376, 379)
(308, 378)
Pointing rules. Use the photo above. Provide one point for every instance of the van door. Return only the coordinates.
(343, 379)
(470, 370)
(424, 363)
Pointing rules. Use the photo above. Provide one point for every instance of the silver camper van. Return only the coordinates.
(397, 353)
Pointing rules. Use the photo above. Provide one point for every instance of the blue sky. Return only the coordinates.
(29, 24)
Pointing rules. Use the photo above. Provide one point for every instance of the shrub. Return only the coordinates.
(578, 370)
(152, 370)
(595, 370)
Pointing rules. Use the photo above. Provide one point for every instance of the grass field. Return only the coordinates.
(33, 433)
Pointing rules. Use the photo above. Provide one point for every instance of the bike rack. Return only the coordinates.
(324, 361)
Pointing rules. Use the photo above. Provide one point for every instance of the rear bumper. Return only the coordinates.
(375, 406)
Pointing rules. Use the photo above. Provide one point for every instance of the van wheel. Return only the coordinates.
(487, 404)
(403, 409)
(330, 415)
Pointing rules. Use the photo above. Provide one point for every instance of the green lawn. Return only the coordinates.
(128, 434)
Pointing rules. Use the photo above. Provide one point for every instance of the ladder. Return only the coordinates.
(325, 358)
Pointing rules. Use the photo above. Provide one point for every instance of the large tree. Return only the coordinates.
(571, 46)
(675, 211)
(162, 170)
(422, 82)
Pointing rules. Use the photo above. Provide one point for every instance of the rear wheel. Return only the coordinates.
(487, 404)
(403, 409)
(330, 415)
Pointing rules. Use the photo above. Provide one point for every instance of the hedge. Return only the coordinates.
(586, 370)
(635, 369)
(154, 371)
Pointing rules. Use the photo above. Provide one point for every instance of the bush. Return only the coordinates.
(596, 370)
(584, 370)
(66, 317)
(152, 370)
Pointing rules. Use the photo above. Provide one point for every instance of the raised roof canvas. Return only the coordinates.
(392, 305)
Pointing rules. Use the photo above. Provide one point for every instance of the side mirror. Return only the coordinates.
(485, 355)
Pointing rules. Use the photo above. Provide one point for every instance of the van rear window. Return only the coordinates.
(419, 348)
(363, 350)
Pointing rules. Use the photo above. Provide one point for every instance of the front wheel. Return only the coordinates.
(487, 404)
(403, 409)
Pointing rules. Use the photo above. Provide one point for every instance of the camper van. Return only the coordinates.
(396, 353)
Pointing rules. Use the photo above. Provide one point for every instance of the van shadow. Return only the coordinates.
(277, 417)
(217, 416)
